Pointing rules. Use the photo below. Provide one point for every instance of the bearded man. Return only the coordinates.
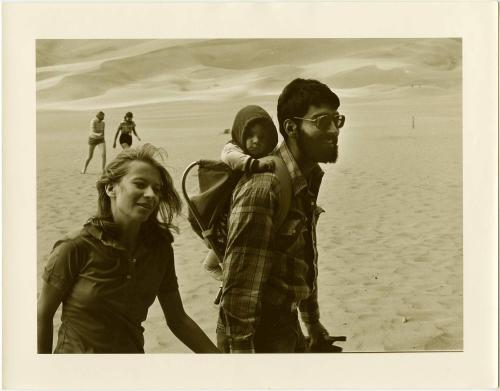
(270, 269)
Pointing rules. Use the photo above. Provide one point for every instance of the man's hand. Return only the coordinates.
(320, 341)
(317, 334)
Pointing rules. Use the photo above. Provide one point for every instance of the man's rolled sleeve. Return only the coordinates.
(309, 309)
(247, 262)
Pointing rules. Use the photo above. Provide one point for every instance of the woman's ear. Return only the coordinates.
(290, 128)
(110, 190)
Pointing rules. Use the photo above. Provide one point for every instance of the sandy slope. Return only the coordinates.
(390, 243)
(229, 68)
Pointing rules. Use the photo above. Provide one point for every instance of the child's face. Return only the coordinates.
(258, 143)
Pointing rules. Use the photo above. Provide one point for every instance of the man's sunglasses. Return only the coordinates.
(323, 122)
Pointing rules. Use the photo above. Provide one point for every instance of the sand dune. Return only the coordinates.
(62, 52)
(390, 242)
(165, 71)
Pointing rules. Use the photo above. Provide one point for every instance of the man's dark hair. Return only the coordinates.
(299, 95)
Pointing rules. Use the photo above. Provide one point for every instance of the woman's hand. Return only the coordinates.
(183, 326)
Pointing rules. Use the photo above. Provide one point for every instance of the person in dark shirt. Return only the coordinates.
(109, 273)
(125, 129)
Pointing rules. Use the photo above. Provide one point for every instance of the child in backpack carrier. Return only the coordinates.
(254, 136)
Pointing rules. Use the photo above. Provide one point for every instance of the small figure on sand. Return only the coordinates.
(126, 128)
(96, 138)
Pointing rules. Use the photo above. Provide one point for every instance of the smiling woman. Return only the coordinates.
(107, 274)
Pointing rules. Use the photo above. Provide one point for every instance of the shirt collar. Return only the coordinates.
(299, 181)
(96, 232)
(94, 229)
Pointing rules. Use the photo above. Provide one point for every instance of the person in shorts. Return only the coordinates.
(96, 138)
(125, 129)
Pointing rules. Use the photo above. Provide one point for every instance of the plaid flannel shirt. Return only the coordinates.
(265, 265)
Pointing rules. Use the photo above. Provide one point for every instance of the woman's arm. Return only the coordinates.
(183, 326)
(49, 300)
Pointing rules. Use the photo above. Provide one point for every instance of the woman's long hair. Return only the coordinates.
(169, 204)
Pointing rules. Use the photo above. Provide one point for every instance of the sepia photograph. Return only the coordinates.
(319, 199)
(383, 252)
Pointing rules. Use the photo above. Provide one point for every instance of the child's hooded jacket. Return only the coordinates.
(234, 153)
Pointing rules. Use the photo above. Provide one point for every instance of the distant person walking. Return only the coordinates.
(96, 138)
(126, 128)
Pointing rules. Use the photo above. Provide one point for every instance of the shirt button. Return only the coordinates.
(134, 260)
(129, 276)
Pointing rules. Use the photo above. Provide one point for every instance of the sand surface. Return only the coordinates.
(390, 242)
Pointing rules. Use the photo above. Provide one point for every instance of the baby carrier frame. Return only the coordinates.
(208, 209)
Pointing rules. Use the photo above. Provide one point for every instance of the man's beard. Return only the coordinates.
(334, 156)
(315, 150)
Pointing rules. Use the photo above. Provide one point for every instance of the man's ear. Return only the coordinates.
(110, 190)
(290, 128)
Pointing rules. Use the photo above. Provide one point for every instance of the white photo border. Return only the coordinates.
(475, 22)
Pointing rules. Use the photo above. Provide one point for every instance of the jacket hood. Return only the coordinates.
(244, 118)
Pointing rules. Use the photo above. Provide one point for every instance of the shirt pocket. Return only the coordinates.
(290, 236)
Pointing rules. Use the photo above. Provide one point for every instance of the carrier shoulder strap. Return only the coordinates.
(285, 196)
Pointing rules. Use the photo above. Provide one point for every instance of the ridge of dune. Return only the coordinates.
(53, 53)
(399, 76)
(208, 83)
(429, 52)
(78, 63)
(203, 65)
(50, 52)
(163, 72)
